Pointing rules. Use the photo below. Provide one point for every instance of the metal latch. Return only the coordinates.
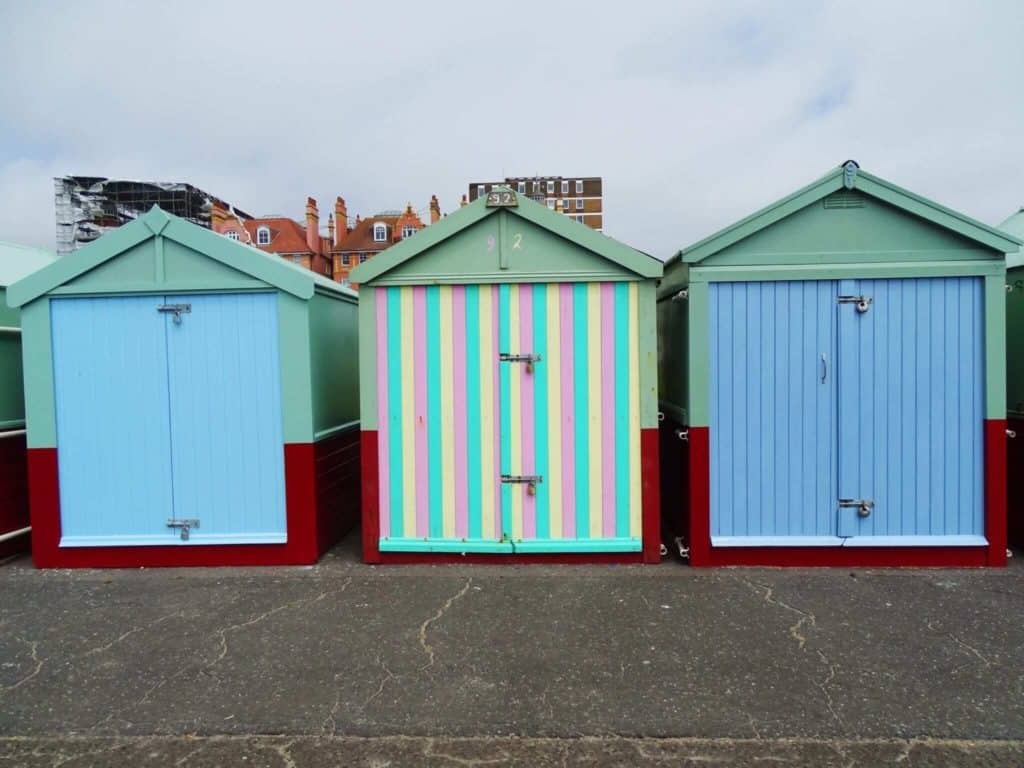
(176, 309)
(185, 525)
(530, 481)
(862, 302)
(683, 434)
(863, 506)
(506, 357)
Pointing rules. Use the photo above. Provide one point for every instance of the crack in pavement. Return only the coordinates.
(129, 633)
(284, 750)
(34, 654)
(428, 752)
(971, 649)
(428, 649)
(808, 618)
(389, 675)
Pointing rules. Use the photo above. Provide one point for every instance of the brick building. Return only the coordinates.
(368, 237)
(289, 239)
(579, 197)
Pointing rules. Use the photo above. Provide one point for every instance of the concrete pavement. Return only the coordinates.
(593, 664)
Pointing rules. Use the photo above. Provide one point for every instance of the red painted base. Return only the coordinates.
(1015, 484)
(13, 494)
(650, 517)
(321, 496)
(703, 554)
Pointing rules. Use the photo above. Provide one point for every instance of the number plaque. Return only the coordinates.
(502, 198)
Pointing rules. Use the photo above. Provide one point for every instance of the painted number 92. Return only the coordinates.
(503, 198)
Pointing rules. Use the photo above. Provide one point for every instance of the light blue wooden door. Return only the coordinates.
(911, 410)
(227, 445)
(773, 413)
(113, 437)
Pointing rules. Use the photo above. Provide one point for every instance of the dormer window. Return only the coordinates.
(263, 236)
(232, 235)
(408, 231)
(380, 233)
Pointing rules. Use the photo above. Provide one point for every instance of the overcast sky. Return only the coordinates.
(695, 113)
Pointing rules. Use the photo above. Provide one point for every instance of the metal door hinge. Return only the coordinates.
(863, 506)
(184, 525)
(176, 309)
(529, 480)
(863, 302)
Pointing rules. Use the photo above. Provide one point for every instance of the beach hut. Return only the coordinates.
(189, 401)
(836, 365)
(16, 261)
(1015, 380)
(508, 393)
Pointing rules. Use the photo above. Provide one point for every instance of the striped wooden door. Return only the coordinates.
(453, 418)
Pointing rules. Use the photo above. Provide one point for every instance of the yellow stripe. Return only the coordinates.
(447, 416)
(515, 418)
(634, 412)
(554, 371)
(594, 398)
(489, 472)
(408, 417)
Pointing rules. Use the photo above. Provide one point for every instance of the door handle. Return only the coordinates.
(824, 368)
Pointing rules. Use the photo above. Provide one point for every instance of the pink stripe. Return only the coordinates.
(459, 382)
(496, 305)
(608, 406)
(565, 312)
(383, 455)
(419, 331)
(526, 407)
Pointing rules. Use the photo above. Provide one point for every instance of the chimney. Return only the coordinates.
(312, 226)
(340, 220)
(462, 202)
(330, 228)
(435, 210)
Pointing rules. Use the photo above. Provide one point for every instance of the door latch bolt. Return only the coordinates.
(863, 506)
(184, 525)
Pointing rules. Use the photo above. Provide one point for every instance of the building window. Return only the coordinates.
(522, 187)
(565, 187)
(536, 186)
(579, 186)
(579, 204)
(408, 231)
(380, 233)
(346, 260)
(263, 236)
(480, 190)
(551, 187)
(551, 203)
(579, 219)
(297, 259)
(362, 257)
(232, 235)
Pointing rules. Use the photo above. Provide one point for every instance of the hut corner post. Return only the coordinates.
(371, 498)
(995, 490)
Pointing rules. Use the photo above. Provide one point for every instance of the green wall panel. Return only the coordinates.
(368, 358)
(38, 363)
(296, 368)
(528, 252)
(1015, 343)
(673, 356)
(12, 400)
(334, 344)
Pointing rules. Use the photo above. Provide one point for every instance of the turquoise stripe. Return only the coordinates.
(394, 468)
(473, 408)
(506, 413)
(433, 311)
(540, 406)
(622, 342)
(580, 378)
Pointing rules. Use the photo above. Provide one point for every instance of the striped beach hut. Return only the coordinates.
(508, 391)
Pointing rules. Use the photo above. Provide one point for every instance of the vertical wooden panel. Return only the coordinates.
(911, 408)
(112, 419)
(768, 380)
(227, 447)
(383, 430)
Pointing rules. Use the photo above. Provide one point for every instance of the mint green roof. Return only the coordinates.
(1015, 226)
(16, 261)
(990, 237)
(268, 268)
(540, 215)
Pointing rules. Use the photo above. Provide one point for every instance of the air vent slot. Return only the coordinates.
(844, 199)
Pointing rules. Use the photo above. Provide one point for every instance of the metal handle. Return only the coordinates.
(1011, 433)
(824, 368)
